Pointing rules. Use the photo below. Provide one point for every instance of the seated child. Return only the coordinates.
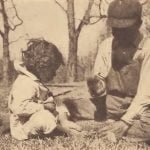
(32, 108)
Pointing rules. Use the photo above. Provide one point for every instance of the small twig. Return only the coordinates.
(86, 17)
(1, 33)
(21, 21)
(101, 16)
(60, 6)
(91, 23)
(11, 42)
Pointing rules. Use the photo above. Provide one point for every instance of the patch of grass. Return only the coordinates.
(89, 142)
(4, 93)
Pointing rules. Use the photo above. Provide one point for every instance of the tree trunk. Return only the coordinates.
(73, 43)
(5, 37)
(6, 59)
(72, 59)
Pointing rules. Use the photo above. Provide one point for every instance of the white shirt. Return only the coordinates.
(103, 65)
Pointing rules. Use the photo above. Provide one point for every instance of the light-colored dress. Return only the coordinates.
(27, 113)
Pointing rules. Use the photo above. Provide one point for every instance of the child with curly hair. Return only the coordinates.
(32, 108)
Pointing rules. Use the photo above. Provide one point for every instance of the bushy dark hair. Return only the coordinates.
(41, 53)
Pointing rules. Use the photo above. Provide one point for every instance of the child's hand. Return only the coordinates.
(49, 100)
(50, 106)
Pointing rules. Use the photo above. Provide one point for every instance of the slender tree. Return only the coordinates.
(74, 32)
(8, 25)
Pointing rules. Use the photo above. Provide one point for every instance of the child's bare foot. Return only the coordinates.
(70, 128)
(71, 125)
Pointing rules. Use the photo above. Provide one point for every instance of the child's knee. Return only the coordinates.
(62, 109)
(45, 117)
(43, 121)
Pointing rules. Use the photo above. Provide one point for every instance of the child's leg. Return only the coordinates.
(41, 122)
(63, 118)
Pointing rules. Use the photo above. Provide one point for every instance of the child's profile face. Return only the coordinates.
(46, 74)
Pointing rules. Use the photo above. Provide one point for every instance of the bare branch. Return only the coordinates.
(86, 18)
(4, 16)
(98, 19)
(21, 21)
(60, 6)
(2, 34)
(84, 21)
(11, 42)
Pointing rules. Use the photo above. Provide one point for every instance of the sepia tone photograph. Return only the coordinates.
(74, 75)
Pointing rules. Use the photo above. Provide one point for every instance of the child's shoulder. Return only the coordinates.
(24, 81)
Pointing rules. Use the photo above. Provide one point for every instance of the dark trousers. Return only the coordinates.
(117, 107)
(101, 112)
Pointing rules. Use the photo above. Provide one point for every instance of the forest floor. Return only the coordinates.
(90, 141)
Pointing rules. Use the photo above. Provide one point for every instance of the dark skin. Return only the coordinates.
(126, 35)
(116, 130)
